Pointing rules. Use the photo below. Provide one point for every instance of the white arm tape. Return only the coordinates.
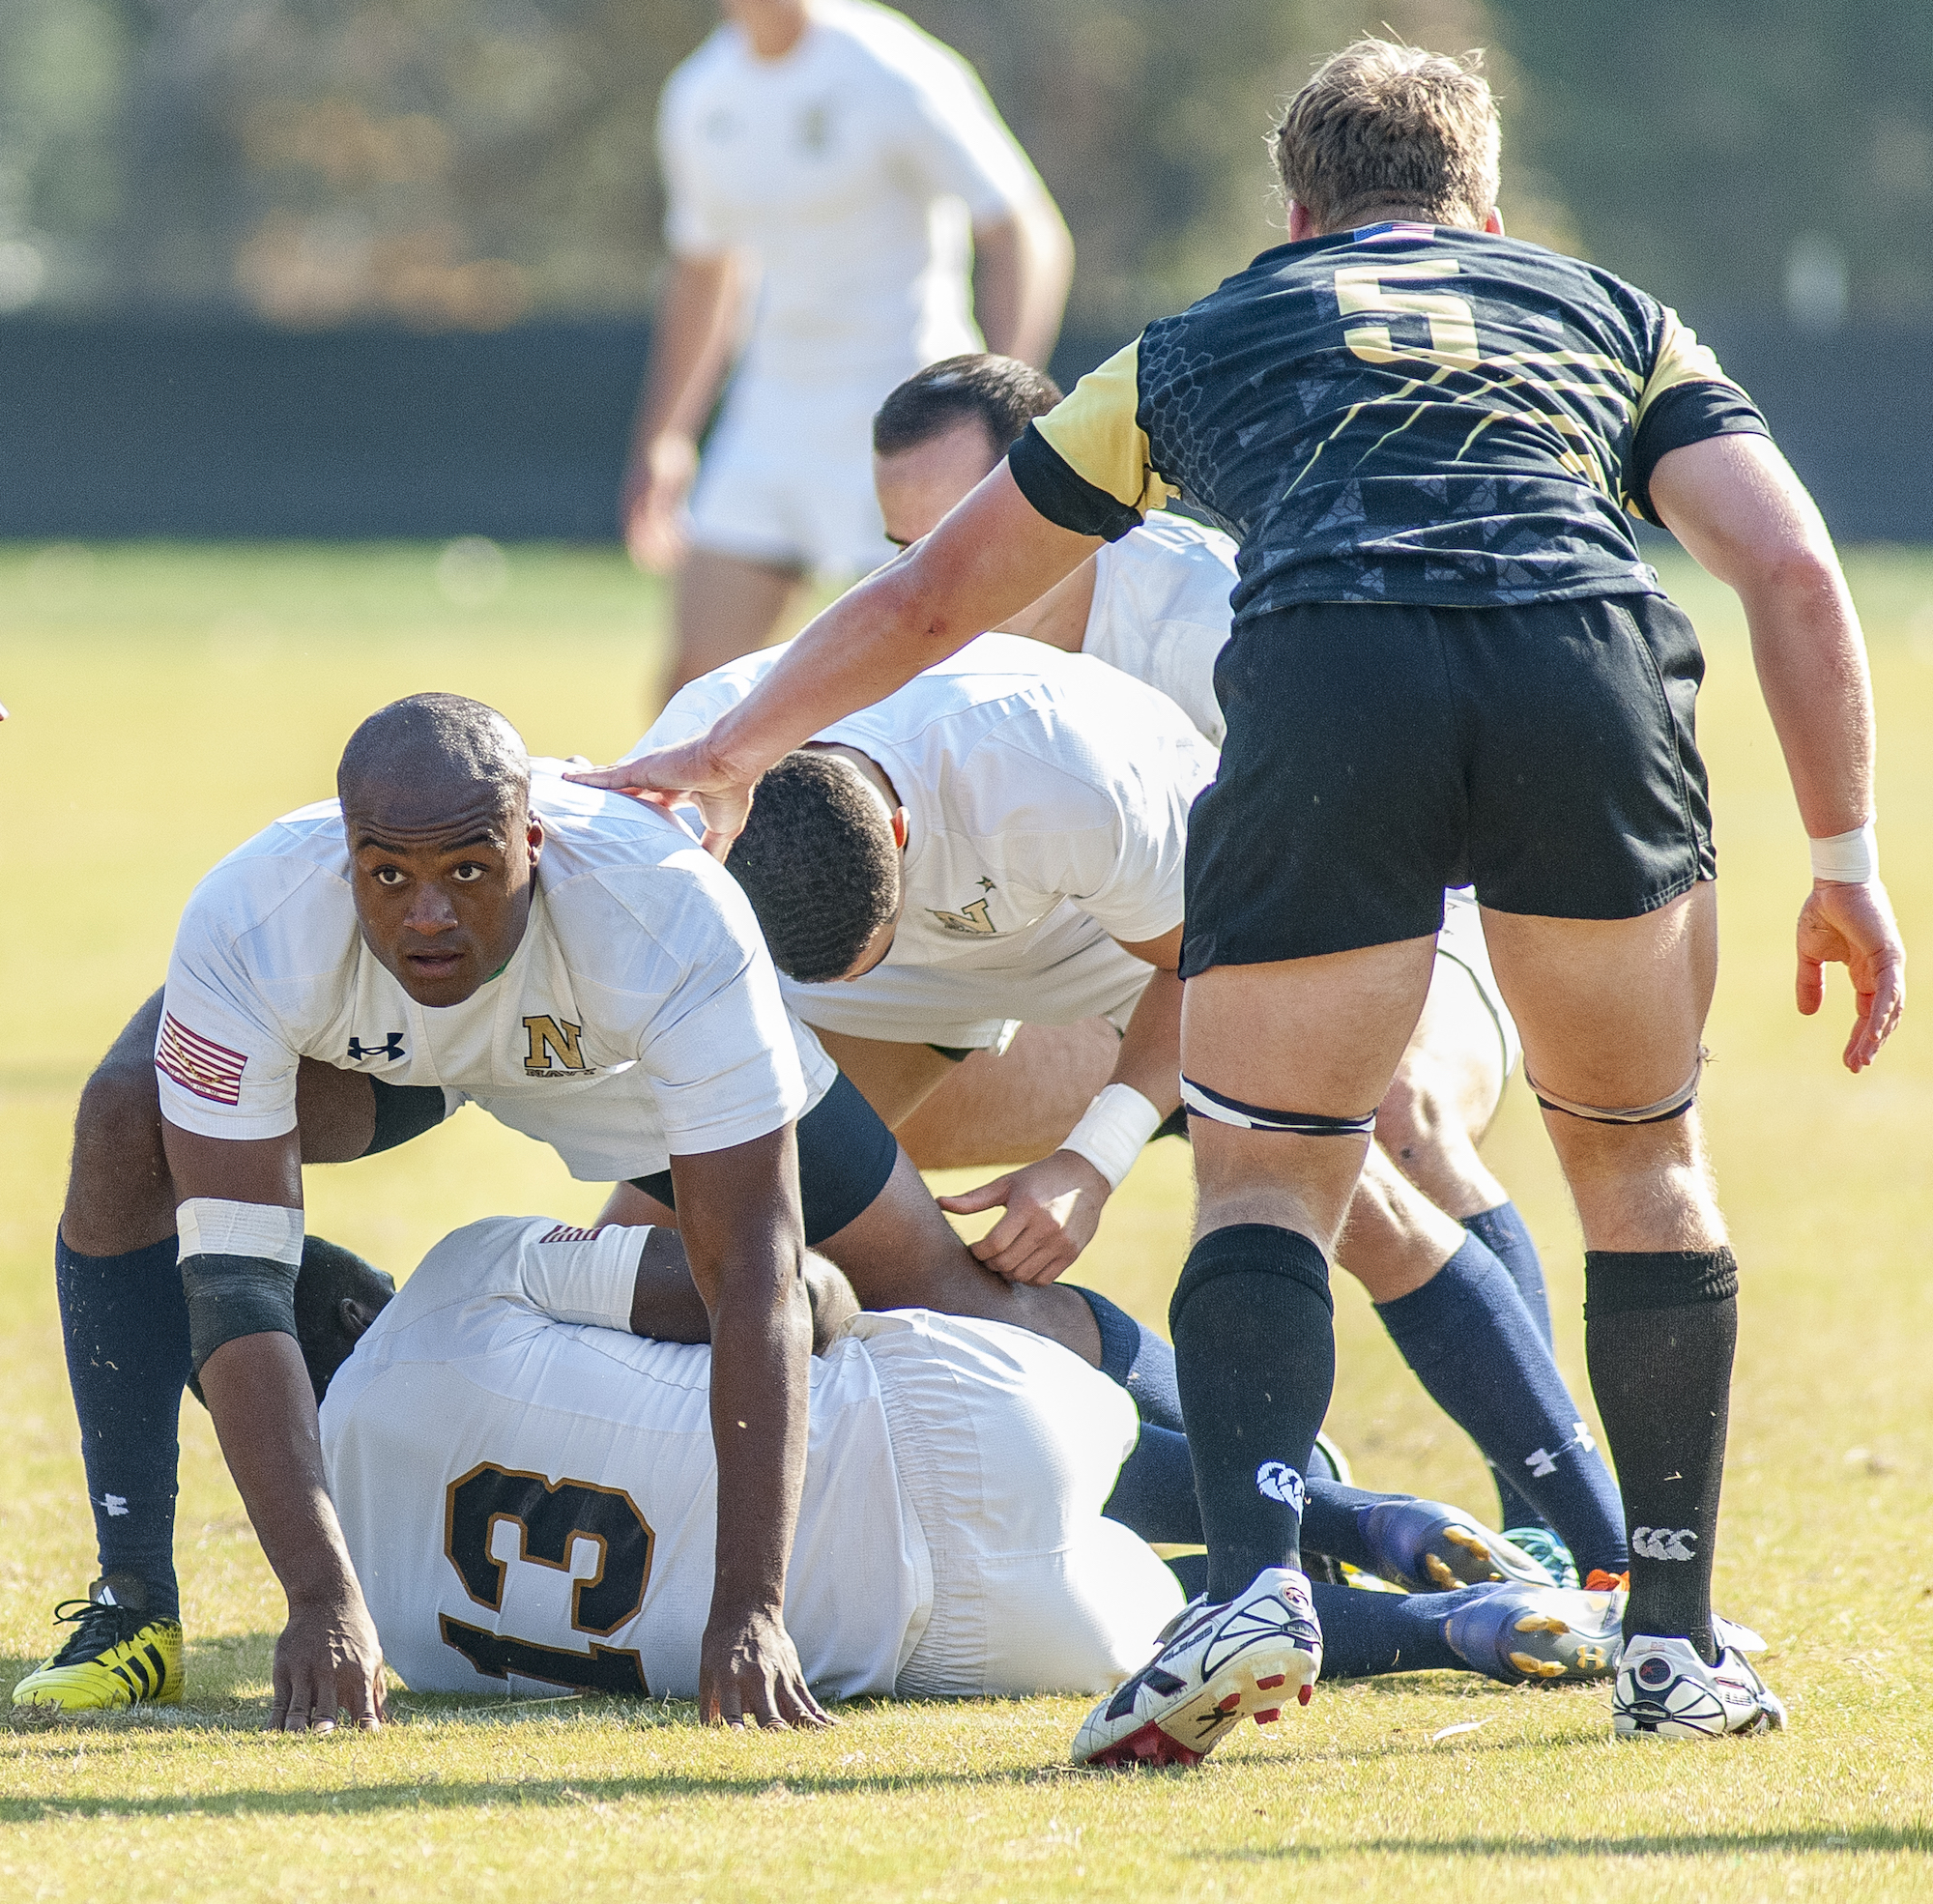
(1112, 1130)
(214, 1226)
(1847, 859)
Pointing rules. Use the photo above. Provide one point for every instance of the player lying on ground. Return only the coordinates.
(1450, 663)
(530, 1493)
(1155, 604)
(572, 964)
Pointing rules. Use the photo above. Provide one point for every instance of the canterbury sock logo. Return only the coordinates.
(1277, 1481)
(1663, 1542)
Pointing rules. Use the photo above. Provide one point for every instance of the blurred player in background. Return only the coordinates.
(1451, 663)
(826, 164)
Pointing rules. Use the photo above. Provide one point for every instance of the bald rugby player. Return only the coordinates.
(453, 928)
(1451, 664)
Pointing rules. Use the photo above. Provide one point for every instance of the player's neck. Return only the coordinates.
(772, 27)
(1060, 618)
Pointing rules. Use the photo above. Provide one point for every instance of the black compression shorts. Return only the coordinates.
(846, 1154)
(1376, 754)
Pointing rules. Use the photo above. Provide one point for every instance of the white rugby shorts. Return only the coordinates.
(1007, 1447)
(787, 479)
(1462, 941)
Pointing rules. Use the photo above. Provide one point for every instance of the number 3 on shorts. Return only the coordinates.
(1453, 323)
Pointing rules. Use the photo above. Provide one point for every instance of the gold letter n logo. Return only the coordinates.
(973, 918)
(553, 1046)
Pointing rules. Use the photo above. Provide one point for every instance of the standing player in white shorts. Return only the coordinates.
(529, 1489)
(1003, 839)
(825, 163)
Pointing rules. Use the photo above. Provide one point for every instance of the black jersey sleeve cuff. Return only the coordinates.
(1687, 413)
(1063, 495)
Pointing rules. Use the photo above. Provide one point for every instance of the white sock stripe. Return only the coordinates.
(214, 1227)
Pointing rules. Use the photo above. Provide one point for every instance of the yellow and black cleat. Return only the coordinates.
(119, 1655)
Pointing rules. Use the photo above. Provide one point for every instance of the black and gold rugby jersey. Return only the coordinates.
(1405, 413)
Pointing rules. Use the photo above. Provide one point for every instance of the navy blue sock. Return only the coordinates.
(1332, 1522)
(1474, 1346)
(1504, 1234)
(1154, 1496)
(1135, 1356)
(1367, 1634)
(124, 1322)
(1255, 1357)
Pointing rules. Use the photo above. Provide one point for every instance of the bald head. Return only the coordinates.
(436, 797)
(434, 748)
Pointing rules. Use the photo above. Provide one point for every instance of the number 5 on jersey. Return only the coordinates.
(1453, 322)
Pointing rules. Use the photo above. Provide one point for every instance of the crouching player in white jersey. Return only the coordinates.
(1003, 838)
(454, 927)
(528, 1490)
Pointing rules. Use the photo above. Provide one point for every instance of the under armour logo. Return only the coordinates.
(390, 1049)
(1663, 1542)
(114, 1504)
(1541, 1462)
(1277, 1481)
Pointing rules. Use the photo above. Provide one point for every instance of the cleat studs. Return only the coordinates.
(1541, 1623)
(1528, 1662)
(1306, 1693)
(1271, 1683)
(1439, 1572)
(1229, 1704)
(1269, 1717)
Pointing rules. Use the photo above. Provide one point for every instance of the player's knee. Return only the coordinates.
(1415, 1117)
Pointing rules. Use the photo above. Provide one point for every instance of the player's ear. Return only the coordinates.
(902, 828)
(1494, 224)
(355, 1318)
(533, 838)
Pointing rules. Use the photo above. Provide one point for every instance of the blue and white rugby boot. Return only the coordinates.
(1246, 1658)
(1666, 1691)
(1428, 1547)
(1550, 1554)
(1528, 1635)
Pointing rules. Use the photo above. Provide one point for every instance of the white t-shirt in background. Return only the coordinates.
(638, 1016)
(848, 171)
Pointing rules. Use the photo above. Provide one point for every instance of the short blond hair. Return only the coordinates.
(1383, 127)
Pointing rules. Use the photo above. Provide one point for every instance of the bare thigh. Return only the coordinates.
(1611, 1012)
(723, 607)
(1016, 1106)
(1319, 1036)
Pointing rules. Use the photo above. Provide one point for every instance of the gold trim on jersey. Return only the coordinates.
(1093, 431)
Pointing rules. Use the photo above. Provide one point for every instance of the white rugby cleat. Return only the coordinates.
(1245, 1658)
(1666, 1691)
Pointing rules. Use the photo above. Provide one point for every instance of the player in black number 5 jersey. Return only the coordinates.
(1449, 664)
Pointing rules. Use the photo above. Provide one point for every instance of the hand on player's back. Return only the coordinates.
(749, 1675)
(328, 1661)
(1853, 926)
(1054, 1208)
(682, 775)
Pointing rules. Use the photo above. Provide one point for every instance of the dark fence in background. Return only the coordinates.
(123, 427)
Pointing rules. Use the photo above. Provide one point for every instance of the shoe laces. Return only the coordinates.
(1597, 1581)
(97, 1624)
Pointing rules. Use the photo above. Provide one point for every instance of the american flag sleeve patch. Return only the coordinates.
(199, 1064)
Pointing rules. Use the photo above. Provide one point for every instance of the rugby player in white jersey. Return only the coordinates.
(529, 1492)
(825, 164)
(454, 927)
(1004, 840)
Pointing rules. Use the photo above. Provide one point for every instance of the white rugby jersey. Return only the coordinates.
(1047, 798)
(638, 1016)
(841, 169)
(530, 1496)
(1161, 611)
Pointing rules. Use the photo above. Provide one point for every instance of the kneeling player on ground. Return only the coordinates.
(484, 1423)
(1426, 436)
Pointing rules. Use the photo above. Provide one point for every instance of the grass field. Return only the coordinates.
(169, 702)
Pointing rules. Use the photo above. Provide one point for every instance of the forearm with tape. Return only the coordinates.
(1847, 859)
(1112, 1131)
(238, 1264)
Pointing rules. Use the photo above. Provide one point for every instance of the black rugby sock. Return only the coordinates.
(1255, 1352)
(1660, 1329)
(1474, 1346)
(124, 1320)
(1135, 1356)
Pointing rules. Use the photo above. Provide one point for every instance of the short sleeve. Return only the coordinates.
(1086, 464)
(694, 225)
(956, 141)
(575, 1275)
(226, 1066)
(1687, 399)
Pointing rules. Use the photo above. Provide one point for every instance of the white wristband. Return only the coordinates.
(1112, 1130)
(214, 1226)
(1847, 859)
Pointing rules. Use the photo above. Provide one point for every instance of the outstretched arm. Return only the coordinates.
(994, 553)
(1736, 505)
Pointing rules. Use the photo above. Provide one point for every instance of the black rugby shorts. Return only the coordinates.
(1377, 754)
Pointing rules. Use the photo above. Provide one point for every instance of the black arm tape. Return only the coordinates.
(404, 1111)
(1063, 495)
(233, 1296)
(1684, 414)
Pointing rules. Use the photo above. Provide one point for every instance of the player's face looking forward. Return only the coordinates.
(443, 886)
